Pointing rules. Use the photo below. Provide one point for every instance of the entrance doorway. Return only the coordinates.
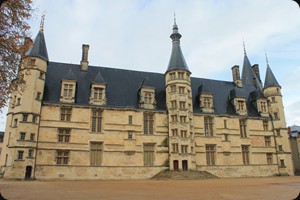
(28, 172)
(175, 165)
(185, 165)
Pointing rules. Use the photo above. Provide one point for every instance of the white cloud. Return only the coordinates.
(134, 34)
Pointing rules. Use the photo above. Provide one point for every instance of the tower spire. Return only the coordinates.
(267, 61)
(42, 22)
(245, 53)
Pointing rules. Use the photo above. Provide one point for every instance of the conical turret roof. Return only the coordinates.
(177, 60)
(39, 49)
(270, 79)
(248, 75)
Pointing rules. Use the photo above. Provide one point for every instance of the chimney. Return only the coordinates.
(255, 68)
(84, 61)
(236, 76)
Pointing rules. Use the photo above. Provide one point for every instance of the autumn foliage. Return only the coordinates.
(14, 16)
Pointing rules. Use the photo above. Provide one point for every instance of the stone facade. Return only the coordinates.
(58, 129)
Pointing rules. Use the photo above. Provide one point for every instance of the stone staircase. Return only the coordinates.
(183, 175)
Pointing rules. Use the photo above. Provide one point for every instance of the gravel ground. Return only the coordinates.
(277, 188)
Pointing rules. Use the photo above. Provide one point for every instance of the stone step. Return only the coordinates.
(183, 175)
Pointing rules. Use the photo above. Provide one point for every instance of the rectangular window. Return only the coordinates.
(245, 154)
(210, 154)
(15, 122)
(149, 154)
(148, 98)
(32, 136)
(182, 105)
(98, 93)
(174, 118)
(63, 135)
(34, 117)
(263, 106)
(38, 96)
(241, 105)
(207, 102)
(30, 153)
(130, 135)
(276, 116)
(130, 119)
(208, 126)
(266, 125)
(32, 62)
(243, 128)
(183, 134)
(184, 148)
(269, 158)
(173, 105)
(96, 153)
(20, 155)
(25, 117)
(180, 75)
(226, 138)
(174, 132)
(65, 114)
(96, 120)
(282, 163)
(22, 135)
(175, 147)
(173, 88)
(41, 75)
(181, 90)
(280, 148)
(148, 123)
(277, 132)
(173, 76)
(68, 90)
(267, 141)
(273, 100)
(62, 157)
(183, 119)
(225, 123)
(18, 101)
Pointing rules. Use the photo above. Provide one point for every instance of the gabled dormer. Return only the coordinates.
(238, 100)
(98, 91)
(68, 88)
(259, 101)
(147, 95)
(206, 99)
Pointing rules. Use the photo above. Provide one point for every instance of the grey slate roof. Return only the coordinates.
(248, 75)
(99, 78)
(177, 60)
(270, 79)
(123, 86)
(38, 49)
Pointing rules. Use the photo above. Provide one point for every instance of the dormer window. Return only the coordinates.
(240, 106)
(262, 107)
(147, 98)
(206, 103)
(97, 96)
(67, 94)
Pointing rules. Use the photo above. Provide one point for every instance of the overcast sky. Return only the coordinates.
(134, 34)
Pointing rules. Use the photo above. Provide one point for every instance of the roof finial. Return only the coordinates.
(42, 22)
(244, 47)
(174, 18)
(267, 59)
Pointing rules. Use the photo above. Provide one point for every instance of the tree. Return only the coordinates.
(14, 28)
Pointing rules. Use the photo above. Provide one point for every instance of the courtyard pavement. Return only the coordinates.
(271, 188)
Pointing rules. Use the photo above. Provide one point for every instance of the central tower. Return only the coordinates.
(180, 109)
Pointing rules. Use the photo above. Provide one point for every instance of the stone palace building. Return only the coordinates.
(76, 121)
